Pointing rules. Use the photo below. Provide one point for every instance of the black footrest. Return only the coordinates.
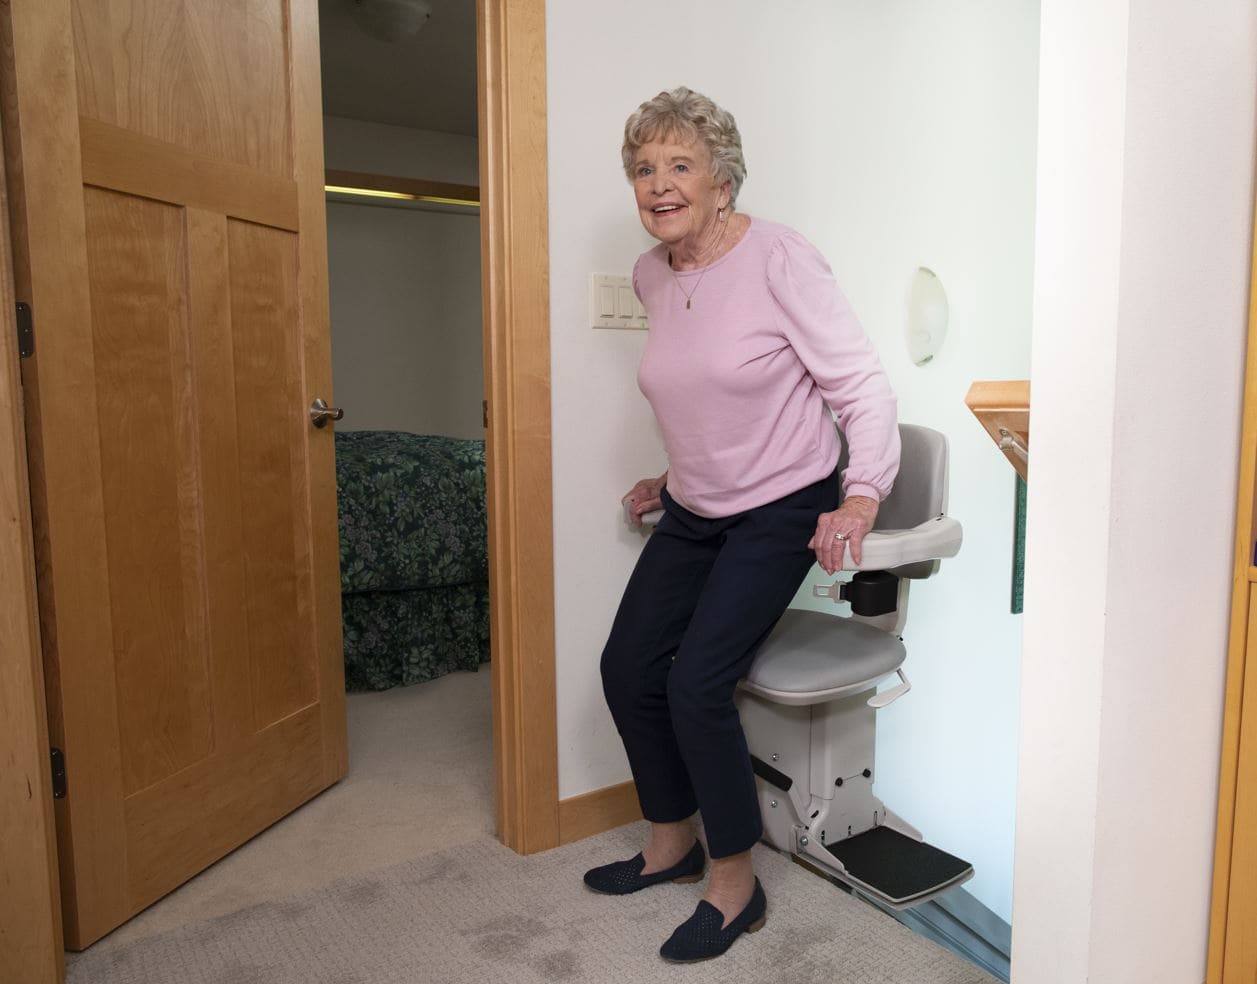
(896, 867)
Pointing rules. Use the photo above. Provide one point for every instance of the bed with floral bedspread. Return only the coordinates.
(413, 556)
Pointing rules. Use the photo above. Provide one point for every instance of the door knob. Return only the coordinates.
(321, 413)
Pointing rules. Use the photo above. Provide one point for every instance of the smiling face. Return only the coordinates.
(678, 199)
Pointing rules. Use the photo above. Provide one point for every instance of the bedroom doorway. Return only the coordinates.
(403, 231)
(434, 355)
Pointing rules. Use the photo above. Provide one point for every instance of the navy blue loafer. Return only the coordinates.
(623, 877)
(701, 937)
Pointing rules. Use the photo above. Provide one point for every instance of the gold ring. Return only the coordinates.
(842, 536)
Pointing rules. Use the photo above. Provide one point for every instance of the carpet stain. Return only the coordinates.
(504, 939)
(447, 870)
(292, 910)
(560, 966)
(783, 948)
(365, 894)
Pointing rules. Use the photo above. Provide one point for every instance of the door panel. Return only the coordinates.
(126, 161)
(176, 829)
(169, 169)
(262, 280)
(137, 269)
(212, 78)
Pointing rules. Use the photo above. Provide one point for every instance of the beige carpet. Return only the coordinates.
(480, 913)
(420, 779)
(394, 877)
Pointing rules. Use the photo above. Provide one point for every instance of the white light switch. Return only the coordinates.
(626, 307)
(606, 301)
(612, 303)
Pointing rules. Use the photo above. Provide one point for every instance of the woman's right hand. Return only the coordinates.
(642, 498)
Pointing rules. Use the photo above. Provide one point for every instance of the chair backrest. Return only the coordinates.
(920, 491)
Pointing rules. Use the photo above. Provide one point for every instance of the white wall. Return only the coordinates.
(893, 135)
(377, 148)
(1145, 211)
(405, 288)
(406, 333)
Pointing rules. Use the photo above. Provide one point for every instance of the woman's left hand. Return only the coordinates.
(847, 524)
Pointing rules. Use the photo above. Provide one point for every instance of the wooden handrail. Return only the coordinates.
(1003, 409)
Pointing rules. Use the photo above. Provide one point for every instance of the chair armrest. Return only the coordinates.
(649, 520)
(935, 539)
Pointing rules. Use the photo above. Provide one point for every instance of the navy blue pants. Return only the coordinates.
(702, 598)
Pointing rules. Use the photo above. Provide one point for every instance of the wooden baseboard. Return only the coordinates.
(592, 813)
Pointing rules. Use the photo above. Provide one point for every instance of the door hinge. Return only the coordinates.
(58, 774)
(484, 405)
(25, 331)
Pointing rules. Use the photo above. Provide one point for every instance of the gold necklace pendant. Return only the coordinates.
(689, 297)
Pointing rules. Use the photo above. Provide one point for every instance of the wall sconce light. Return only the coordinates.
(927, 316)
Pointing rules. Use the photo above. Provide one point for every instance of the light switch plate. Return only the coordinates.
(612, 303)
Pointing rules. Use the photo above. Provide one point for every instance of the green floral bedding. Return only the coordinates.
(413, 556)
(396, 638)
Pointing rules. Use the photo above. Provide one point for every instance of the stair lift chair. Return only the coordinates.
(809, 700)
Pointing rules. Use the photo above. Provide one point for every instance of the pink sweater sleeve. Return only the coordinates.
(822, 329)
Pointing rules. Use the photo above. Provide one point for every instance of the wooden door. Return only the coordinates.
(165, 169)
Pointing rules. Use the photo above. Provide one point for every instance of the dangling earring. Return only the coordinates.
(720, 212)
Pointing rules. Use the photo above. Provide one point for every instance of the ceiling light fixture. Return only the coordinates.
(391, 20)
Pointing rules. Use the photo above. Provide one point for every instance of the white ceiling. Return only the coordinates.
(427, 82)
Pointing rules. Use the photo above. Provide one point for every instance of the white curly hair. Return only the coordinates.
(685, 116)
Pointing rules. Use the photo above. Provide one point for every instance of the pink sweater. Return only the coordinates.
(742, 383)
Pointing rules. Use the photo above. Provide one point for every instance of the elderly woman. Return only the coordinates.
(751, 347)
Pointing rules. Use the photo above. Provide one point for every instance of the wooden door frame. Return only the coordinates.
(1238, 675)
(31, 941)
(515, 281)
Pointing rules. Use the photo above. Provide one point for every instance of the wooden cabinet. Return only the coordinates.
(1233, 929)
